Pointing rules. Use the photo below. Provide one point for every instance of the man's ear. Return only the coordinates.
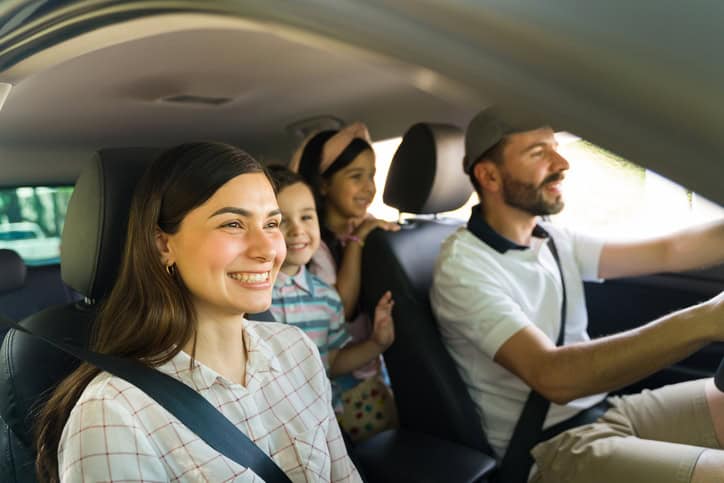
(488, 175)
(164, 248)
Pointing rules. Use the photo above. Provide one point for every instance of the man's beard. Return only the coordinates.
(529, 197)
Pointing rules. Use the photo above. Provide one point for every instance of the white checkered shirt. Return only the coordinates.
(117, 433)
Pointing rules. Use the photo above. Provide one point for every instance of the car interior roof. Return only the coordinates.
(607, 73)
(127, 94)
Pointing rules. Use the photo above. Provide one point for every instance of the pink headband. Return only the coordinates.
(333, 147)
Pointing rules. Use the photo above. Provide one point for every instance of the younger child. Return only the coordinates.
(302, 299)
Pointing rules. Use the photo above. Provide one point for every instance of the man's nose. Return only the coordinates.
(559, 162)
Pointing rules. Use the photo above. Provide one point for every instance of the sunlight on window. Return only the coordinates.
(605, 195)
(611, 197)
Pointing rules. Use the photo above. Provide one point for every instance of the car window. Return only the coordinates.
(31, 221)
(605, 194)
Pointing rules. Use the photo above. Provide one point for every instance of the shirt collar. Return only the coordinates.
(261, 358)
(480, 228)
(301, 279)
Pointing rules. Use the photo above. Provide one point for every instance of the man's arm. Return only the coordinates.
(696, 247)
(562, 374)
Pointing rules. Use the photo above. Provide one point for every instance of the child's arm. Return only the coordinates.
(350, 358)
(350, 268)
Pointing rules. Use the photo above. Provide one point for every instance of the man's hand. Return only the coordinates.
(383, 331)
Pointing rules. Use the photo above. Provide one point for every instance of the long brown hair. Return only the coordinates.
(148, 315)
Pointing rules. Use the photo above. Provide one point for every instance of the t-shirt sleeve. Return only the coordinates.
(470, 302)
(587, 254)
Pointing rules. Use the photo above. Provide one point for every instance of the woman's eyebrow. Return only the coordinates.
(241, 212)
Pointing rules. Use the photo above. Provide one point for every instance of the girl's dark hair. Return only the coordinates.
(149, 314)
(309, 163)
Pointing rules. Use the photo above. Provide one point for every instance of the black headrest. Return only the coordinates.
(97, 218)
(12, 270)
(426, 174)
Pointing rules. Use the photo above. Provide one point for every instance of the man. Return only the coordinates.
(497, 294)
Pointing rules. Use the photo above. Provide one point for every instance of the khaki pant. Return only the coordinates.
(656, 436)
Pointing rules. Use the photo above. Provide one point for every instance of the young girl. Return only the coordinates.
(340, 168)
(301, 298)
(203, 249)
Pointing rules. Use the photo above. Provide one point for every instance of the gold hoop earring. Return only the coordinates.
(171, 269)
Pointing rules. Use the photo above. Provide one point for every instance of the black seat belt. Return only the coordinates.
(188, 406)
(517, 460)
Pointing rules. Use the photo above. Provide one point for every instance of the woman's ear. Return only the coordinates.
(164, 248)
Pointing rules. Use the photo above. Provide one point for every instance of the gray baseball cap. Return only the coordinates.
(490, 126)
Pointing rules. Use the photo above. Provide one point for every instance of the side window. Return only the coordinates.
(31, 221)
(611, 197)
(605, 195)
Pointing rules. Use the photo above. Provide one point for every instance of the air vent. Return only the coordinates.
(189, 99)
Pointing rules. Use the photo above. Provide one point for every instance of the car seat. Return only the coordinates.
(92, 238)
(425, 178)
(12, 279)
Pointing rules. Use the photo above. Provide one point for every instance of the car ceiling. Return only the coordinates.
(632, 77)
(116, 96)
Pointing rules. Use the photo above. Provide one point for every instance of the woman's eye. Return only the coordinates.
(273, 224)
(232, 224)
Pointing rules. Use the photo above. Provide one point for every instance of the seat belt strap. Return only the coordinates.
(517, 460)
(188, 406)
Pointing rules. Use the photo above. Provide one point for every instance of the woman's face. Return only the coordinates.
(228, 251)
(350, 191)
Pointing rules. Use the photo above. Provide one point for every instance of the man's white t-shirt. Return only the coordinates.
(485, 290)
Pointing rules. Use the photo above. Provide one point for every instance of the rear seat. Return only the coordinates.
(26, 290)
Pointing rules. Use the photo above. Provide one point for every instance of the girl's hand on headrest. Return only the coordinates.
(370, 224)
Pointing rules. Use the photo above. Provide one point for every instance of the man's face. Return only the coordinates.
(532, 171)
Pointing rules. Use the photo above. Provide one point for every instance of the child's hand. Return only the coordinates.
(369, 224)
(383, 330)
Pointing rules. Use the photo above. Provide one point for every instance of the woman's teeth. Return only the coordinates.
(250, 277)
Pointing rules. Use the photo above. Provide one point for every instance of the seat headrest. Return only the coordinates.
(426, 175)
(97, 218)
(12, 270)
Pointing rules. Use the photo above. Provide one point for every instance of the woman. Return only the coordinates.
(203, 249)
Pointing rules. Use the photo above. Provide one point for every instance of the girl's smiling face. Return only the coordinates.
(228, 250)
(350, 191)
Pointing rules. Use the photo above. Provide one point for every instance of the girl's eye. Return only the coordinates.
(307, 217)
